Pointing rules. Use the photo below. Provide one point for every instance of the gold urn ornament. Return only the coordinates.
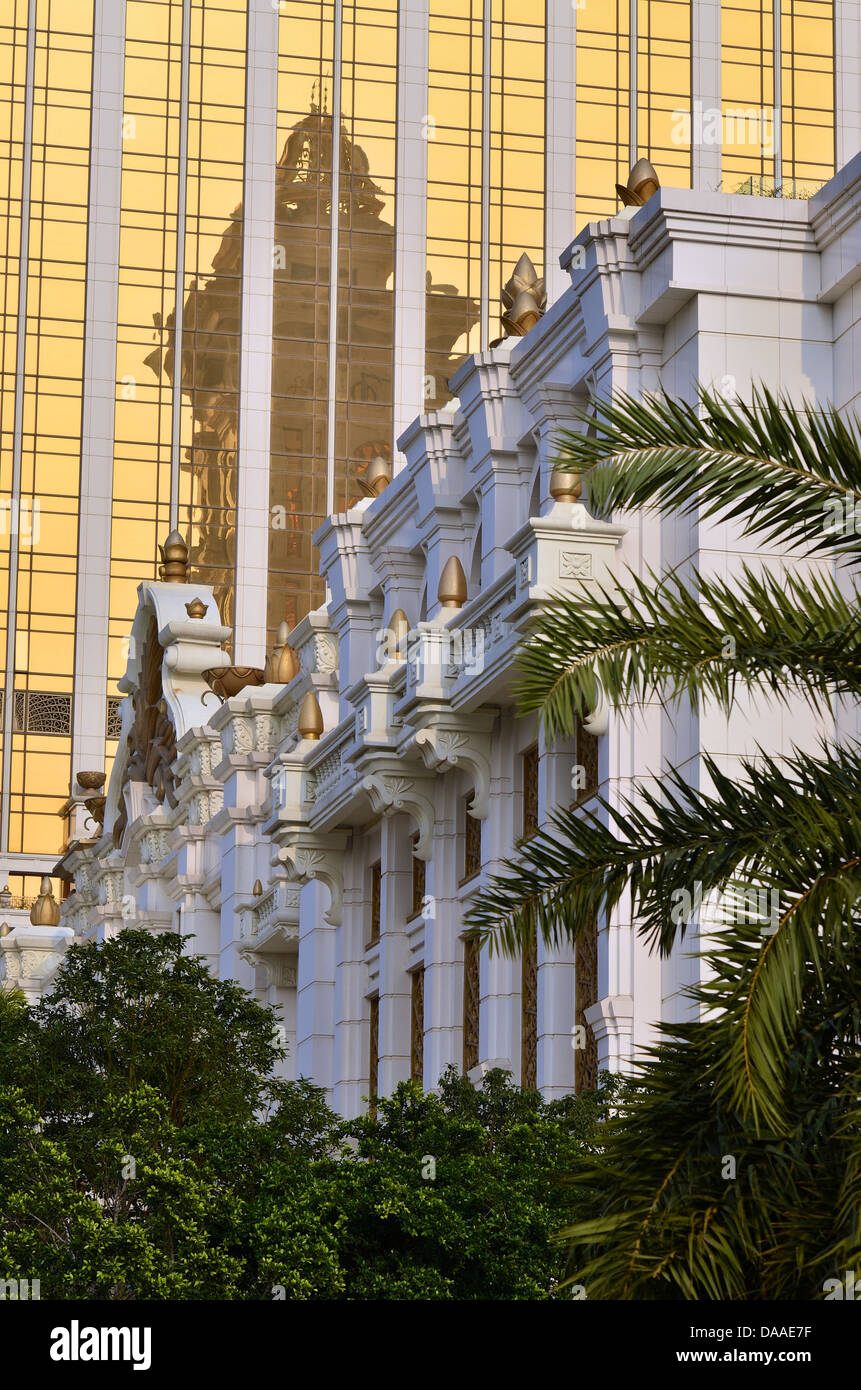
(196, 608)
(524, 299)
(45, 911)
(565, 486)
(229, 680)
(282, 663)
(90, 781)
(642, 182)
(96, 807)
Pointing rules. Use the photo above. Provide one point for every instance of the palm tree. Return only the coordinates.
(733, 1167)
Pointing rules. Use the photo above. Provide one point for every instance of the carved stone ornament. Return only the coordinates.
(444, 747)
(152, 737)
(390, 794)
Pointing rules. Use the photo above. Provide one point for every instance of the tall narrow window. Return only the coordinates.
(417, 1025)
(530, 791)
(373, 1054)
(529, 1017)
(471, 840)
(419, 880)
(529, 962)
(471, 998)
(586, 952)
(376, 886)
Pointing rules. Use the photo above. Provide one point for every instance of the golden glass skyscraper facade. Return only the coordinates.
(191, 338)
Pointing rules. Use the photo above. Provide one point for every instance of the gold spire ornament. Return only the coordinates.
(524, 299)
(310, 717)
(398, 629)
(377, 477)
(642, 182)
(452, 584)
(174, 555)
(45, 911)
(282, 663)
(257, 890)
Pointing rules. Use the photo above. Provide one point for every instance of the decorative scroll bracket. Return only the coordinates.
(308, 856)
(447, 738)
(392, 793)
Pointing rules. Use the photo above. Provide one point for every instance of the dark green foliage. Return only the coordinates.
(148, 1152)
(770, 1075)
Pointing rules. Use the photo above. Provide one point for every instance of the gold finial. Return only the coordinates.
(642, 182)
(174, 554)
(196, 608)
(452, 585)
(565, 486)
(310, 717)
(45, 911)
(282, 663)
(524, 299)
(377, 477)
(5, 896)
(399, 627)
(257, 890)
(5, 929)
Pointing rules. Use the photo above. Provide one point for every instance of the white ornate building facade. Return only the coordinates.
(320, 835)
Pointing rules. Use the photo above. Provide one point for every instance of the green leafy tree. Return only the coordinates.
(770, 1075)
(454, 1195)
(147, 1151)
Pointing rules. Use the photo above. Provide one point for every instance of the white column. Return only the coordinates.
(705, 89)
(501, 975)
(394, 982)
(255, 371)
(414, 129)
(99, 389)
(847, 75)
(443, 950)
(315, 988)
(560, 141)
(557, 976)
(351, 1005)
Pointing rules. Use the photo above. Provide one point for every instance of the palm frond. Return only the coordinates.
(789, 831)
(789, 475)
(695, 637)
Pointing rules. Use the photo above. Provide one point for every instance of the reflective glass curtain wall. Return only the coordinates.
(182, 229)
